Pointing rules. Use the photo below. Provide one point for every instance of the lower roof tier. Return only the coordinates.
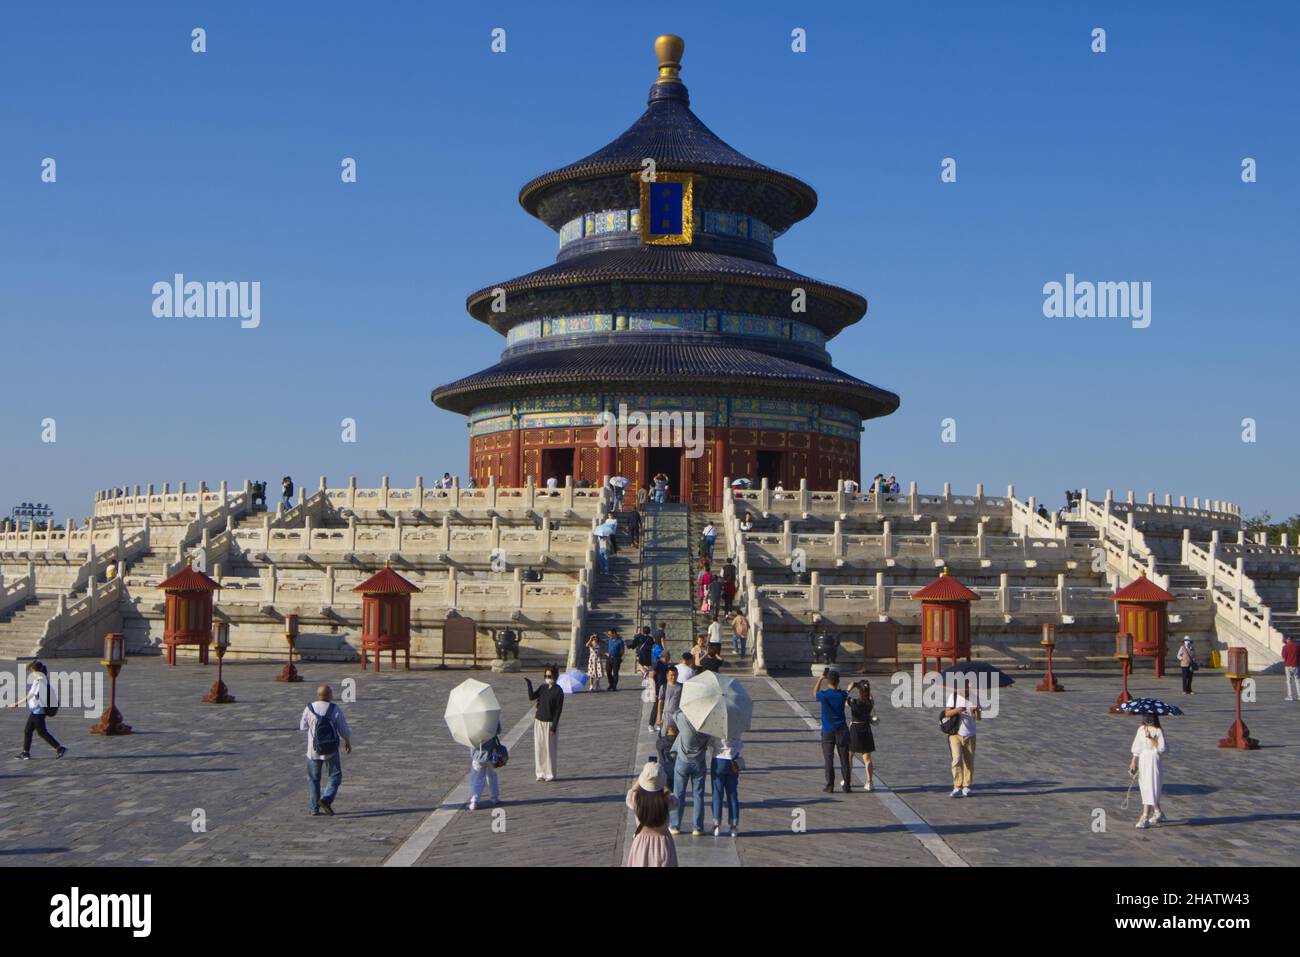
(667, 367)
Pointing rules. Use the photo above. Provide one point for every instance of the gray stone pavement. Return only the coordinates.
(1043, 767)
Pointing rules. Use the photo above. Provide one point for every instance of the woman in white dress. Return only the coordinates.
(1148, 749)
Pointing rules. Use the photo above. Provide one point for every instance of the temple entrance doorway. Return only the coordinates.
(556, 464)
(771, 466)
(666, 459)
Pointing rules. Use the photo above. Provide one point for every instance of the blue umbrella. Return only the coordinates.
(979, 667)
(1149, 706)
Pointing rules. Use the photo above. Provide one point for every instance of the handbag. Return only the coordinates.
(952, 724)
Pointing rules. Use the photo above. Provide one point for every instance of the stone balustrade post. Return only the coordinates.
(546, 534)
(451, 587)
(815, 592)
(882, 595)
(764, 496)
(787, 537)
(352, 492)
(517, 588)
(887, 539)
(837, 540)
(936, 547)
(530, 493)
(1184, 548)
(1062, 594)
(446, 533)
(492, 490)
(981, 542)
(398, 526)
(1004, 593)
(805, 498)
(495, 541)
(568, 492)
(266, 530)
(912, 496)
(947, 498)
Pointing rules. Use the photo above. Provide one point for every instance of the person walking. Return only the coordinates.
(643, 646)
(642, 496)
(1291, 664)
(668, 701)
(286, 489)
(861, 715)
(691, 750)
(602, 552)
(615, 648)
(740, 629)
(724, 778)
(708, 537)
(961, 743)
(546, 722)
(704, 581)
(1187, 662)
(483, 763)
(715, 633)
(326, 729)
(595, 661)
(835, 730)
(651, 802)
(41, 704)
(715, 592)
(634, 527)
(728, 588)
(1149, 748)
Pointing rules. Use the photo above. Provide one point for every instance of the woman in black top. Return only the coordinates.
(861, 741)
(546, 723)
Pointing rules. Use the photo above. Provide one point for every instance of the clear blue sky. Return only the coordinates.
(225, 166)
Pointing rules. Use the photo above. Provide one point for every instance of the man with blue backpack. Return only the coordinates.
(326, 729)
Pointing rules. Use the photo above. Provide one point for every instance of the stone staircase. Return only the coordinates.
(666, 577)
(615, 598)
(21, 628)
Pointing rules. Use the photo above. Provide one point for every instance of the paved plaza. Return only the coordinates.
(1047, 767)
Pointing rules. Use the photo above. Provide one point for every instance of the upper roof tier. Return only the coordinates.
(671, 135)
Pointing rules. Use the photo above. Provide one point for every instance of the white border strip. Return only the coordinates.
(901, 810)
(454, 800)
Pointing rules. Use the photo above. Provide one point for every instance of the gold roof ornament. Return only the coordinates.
(669, 48)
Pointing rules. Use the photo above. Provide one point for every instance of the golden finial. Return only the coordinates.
(945, 570)
(668, 48)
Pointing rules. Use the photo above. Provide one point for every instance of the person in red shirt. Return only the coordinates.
(1291, 659)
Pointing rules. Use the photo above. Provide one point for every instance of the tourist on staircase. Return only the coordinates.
(286, 490)
(707, 539)
(41, 704)
(728, 588)
(546, 723)
(740, 627)
(686, 670)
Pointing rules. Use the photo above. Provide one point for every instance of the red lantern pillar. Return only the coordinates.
(1049, 682)
(1124, 652)
(289, 673)
(1238, 672)
(219, 693)
(110, 722)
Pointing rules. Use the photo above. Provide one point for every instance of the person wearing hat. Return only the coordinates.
(1187, 662)
(39, 699)
(651, 801)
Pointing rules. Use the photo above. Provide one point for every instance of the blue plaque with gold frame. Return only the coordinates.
(668, 209)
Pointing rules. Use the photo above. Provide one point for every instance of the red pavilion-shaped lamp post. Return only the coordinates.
(386, 617)
(1124, 652)
(1143, 609)
(945, 620)
(1238, 672)
(289, 673)
(219, 693)
(1049, 682)
(110, 722)
(188, 618)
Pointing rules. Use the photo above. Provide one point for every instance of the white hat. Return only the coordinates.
(651, 778)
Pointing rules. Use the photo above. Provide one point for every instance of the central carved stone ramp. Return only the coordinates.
(666, 578)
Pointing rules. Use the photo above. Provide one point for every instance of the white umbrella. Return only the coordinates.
(603, 531)
(572, 681)
(717, 704)
(473, 714)
(619, 481)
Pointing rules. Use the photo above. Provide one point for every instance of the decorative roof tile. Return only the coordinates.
(945, 588)
(1142, 589)
(386, 582)
(187, 579)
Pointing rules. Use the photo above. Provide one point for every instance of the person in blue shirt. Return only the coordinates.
(615, 648)
(835, 729)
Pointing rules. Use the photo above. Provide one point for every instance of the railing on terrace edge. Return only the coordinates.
(18, 591)
(455, 591)
(808, 502)
(1235, 593)
(101, 598)
(936, 546)
(1006, 599)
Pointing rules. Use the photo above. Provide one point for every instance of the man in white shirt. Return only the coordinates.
(962, 744)
(708, 537)
(850, 487)
(326, 728)
(686, 668)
